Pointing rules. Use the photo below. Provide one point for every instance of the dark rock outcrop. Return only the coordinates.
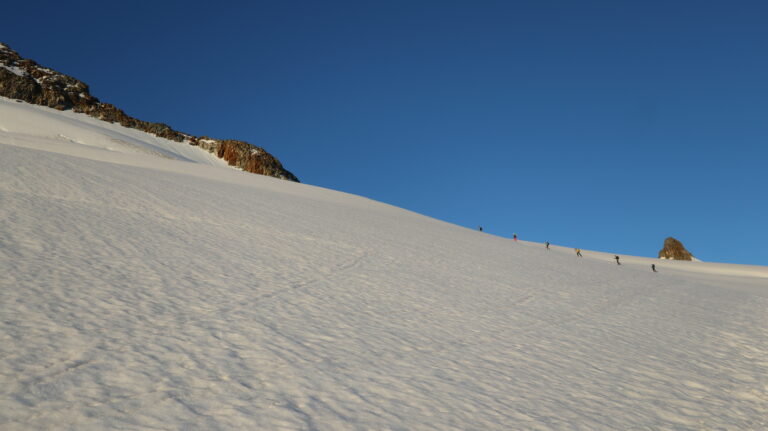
(674, 249)
(25, 80)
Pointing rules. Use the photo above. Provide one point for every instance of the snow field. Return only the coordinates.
(145, 292)
(41, 127)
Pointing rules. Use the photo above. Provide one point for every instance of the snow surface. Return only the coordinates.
(146, 292)
(45, 128)
(14, 69)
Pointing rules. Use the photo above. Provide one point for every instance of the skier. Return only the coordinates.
(480, 228)
(617, 260)
(653, 267)
(546, 244)
(514, 236)
(578, 252)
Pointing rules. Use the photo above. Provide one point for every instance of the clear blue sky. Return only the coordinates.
(604, 125)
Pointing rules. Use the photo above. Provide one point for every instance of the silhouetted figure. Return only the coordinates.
(480, 228)
(546, 244)
(514, 236)
(578, 252)
(653, 267)
(617, 260)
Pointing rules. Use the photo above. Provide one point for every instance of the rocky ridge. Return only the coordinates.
(674, 249)
(25, 80)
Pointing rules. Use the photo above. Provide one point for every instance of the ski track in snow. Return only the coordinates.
(141, 292)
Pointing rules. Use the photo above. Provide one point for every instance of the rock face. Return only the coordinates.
(673, 249)
(25, 80)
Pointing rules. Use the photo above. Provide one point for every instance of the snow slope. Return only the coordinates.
(41, 127)
(145, 292)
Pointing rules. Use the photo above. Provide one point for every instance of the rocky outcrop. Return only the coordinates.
(674, 249)
(25, 80)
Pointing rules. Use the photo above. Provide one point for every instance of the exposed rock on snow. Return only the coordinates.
(25, 80)
(674, 249)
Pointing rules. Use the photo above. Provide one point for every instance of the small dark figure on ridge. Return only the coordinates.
(546, 244)
(578, 252)
(617, 260)
(653, 267)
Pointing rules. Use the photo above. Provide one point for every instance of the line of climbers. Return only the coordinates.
(577, 250)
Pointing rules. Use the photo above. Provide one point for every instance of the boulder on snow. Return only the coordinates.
(674, 249)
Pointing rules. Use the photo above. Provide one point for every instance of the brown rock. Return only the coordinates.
(674, 249)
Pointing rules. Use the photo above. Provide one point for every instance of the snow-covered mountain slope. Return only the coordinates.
(145, 292)
(25, 80)
(42, 127)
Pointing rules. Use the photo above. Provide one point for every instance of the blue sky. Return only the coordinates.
(602, 125)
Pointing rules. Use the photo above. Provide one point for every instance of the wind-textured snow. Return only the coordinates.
(145, 292)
